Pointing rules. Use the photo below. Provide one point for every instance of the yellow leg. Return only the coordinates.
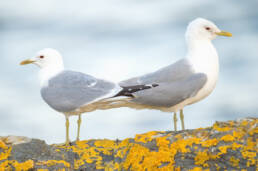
(67, 142)
(182, 119)
(175, 120)
(79, 121)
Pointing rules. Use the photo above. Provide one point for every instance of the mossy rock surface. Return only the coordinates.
(228, 145)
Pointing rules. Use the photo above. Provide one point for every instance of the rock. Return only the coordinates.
(14, 140)
(228, 145)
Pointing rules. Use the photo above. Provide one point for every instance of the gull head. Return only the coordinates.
(202, 29)
(46, 58)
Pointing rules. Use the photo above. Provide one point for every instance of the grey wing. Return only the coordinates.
(170, 94)
(174, 72)
(69, 90)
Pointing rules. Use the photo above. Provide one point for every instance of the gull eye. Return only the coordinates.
(207, 28)
(41, 56)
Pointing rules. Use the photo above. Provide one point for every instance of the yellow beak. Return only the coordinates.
(28, 61)
(224, 33)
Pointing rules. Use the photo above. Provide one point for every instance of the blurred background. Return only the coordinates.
(115, 40)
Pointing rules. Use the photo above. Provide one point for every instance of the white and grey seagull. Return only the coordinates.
(69, 92)
(182, 83)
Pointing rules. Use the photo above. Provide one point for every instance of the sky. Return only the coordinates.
(116, 40)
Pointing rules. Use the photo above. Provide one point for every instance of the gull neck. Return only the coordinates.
(203, 55)
(46, 73)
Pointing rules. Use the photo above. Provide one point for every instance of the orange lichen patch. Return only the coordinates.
(122, 148)
(223, 149)
(238, 134)
(5, 151)
(29, 164)
(105, 146)
(23, 166)
(253, 131)
(162, 142)
(251, 145)
(209, 142)
(235, 146)
(227, 138)
(141, 158)
(199, 169)
(249, 155)
(178, 136)
(201, 158)
(104, 143)
(234, 161)
(117, 166)
(50, 163)
(244, 123)
(145, 137)
(221, 129)
(135, 156)
(92, 154)
(250, 151)
(184, 144)
(5, 166)
(3, 145)
(80, 148)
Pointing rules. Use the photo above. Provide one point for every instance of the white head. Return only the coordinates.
(50, 61)
(202, 29)
(46, 58)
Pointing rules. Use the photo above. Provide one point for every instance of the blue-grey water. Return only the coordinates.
(115, 40)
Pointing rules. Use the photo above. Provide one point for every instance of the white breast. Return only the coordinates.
(204, 60)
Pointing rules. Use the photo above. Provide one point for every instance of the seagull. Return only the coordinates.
(69, 92)
(182, 83)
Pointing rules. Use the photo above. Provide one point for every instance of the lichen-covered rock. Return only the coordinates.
(228, 145)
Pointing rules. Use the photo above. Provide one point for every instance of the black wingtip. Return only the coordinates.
(129, 90)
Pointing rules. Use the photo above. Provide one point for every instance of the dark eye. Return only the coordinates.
(41, 56)
(207, 28)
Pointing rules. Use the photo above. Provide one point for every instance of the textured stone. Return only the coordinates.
(228, 145)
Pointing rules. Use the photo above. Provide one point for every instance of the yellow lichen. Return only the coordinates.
(234, 162)
(209, 143)
(136, 155)
(201, 158)
(123, 148)
(50, 163)
(5, 166)
(198, 169)
(227, 138)
(24, 166)
(221, 129)
(248, 154)
(145, 137)
(223, 149)
(235, 146)
(5, 151)
(244, 123)
(183, 144)
(162, 142)
(2, 145)
(238, 134)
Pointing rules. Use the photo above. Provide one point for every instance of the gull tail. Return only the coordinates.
(123, 97)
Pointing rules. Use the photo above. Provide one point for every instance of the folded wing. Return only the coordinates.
(174, 84)
(70, 90)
